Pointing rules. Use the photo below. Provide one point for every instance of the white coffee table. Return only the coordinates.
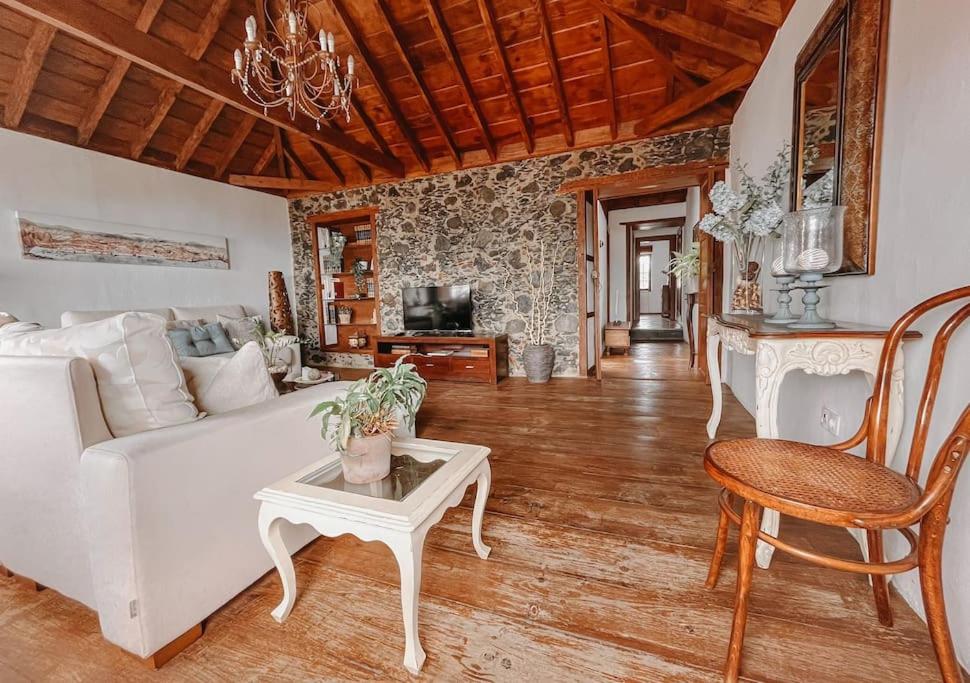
(427, 477)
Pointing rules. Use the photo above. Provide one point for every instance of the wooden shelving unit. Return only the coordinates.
(366, 315)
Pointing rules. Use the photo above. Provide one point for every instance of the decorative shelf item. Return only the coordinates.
(812, 249)
(784, 280)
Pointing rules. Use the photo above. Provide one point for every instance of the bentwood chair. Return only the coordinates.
(829, 486)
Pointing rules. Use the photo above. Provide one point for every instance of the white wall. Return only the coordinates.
(618, 254)
(651, 301)
(923, 244)
(49, 177)
(692, 216)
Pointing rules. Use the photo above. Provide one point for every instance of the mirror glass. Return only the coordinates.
(819, 125)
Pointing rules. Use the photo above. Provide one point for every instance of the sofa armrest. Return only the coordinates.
(171, 517)
(49, 413)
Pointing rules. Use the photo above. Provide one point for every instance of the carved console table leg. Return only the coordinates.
(481, 496)
(714, 372)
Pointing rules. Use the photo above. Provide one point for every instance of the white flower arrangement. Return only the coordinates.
(747, 215)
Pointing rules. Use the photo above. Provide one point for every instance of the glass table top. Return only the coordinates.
(406, 476)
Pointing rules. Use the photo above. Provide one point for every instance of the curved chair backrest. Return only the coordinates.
(879, 413)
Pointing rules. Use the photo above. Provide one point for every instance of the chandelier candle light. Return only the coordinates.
(293, 68)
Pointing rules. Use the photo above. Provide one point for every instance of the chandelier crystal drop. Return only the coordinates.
(294, 68)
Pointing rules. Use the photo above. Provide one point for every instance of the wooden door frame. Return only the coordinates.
(674, 241)
(582, 263)
(710, 290)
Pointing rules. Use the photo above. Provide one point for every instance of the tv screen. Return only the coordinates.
(438, 308)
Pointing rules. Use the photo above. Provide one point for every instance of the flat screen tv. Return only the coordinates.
(438, 309)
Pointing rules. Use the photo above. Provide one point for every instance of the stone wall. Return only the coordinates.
(476, 227)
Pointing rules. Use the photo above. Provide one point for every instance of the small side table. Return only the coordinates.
(618, 336)
(427, 477)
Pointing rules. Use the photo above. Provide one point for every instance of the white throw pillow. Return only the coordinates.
(140, 383)
(222, 384)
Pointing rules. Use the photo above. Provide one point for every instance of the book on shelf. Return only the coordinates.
(362, 234)
(370, 287)
(402, 350)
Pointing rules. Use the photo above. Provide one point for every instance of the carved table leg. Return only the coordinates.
(714, 372)
(770, 373)
(407, 549)
(481, 495)
(269, 533)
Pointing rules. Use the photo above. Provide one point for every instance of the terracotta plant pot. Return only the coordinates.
(367, 459)
(539, 360)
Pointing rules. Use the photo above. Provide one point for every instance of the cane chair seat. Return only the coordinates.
(807, 481)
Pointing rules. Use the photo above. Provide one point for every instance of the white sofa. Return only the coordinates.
(207, 314)
(154, 531)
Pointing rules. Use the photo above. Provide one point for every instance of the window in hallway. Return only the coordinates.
(644, 270)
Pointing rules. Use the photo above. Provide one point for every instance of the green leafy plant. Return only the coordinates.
(685, 266)
(372, 406)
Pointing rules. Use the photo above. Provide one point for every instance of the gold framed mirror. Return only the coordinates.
(836, 137)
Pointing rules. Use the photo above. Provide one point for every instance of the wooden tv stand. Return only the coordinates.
(482, 359)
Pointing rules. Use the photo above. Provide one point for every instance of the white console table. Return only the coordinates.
(778, 350)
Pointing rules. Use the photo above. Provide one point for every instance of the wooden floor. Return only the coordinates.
(601, 521)
(662, 360)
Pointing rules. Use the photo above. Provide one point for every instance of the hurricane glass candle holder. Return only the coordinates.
(784, 280)
(812, 244)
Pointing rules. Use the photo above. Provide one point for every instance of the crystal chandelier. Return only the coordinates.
(293, 69)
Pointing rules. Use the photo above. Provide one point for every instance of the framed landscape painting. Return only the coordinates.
(55, 238)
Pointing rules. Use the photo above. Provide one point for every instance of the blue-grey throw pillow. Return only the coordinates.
(182, 341)
(201, 340)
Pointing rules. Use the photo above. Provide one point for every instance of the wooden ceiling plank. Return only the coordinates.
(235, 143)
(357, 42)
(491, 28)
(22, 84)
(399, 47)
(436, 17)
(689, 28)
(692, 101)
(165, 101)
(116, 74)
(198, 133)
(640, 35)
(272, 183)
(280, 152)
(553, 61)
(768, 12)
(608, 74)
(323, 157)
(268, 153)
(85, 19)
(296, 163)
(209, 27)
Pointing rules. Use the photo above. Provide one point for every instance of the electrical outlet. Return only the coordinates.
(831, 421)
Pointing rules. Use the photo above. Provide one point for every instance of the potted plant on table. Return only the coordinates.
(360, 424)
(344, 314)
(543, 272)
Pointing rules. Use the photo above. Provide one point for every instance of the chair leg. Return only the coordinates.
(880, 585)
(931, 533)
(750, 521)
(723, 523)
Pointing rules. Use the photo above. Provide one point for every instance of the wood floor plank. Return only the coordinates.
(601, 520)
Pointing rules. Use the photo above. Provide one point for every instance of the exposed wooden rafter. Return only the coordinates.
(116, 74)
(768, 12)
(88, 21)
(327, 160)
(399, 47)
(23, 82)
(263, 182)
(692, 29)
(491, 28)
(440, 29)
(691, 102)
(280, 152)
(268, 153)
(360, 48)
(232, 149)
(198, 133)
(553, 62)
(608, 75)
(295, 161)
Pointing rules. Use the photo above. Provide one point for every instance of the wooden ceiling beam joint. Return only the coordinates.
(22, 84)
(198, 134)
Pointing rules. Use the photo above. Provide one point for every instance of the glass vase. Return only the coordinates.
(746, 299)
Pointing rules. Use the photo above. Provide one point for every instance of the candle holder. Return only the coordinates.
(783, 315)
(813, 248)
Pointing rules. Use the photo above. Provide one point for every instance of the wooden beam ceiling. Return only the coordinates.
(86, 20)
(443, 84)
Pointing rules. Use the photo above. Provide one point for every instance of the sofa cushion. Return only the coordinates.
(140, 383)
(222, 384)
(69, 318)
(200, 340)
(242, 330)
(208, 314)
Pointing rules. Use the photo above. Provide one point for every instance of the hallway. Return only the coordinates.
(669, 360)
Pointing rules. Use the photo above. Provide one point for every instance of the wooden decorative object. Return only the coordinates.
(854, 34)
(617, 336)
(482, 359)
(280, 315)
(828, 486)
